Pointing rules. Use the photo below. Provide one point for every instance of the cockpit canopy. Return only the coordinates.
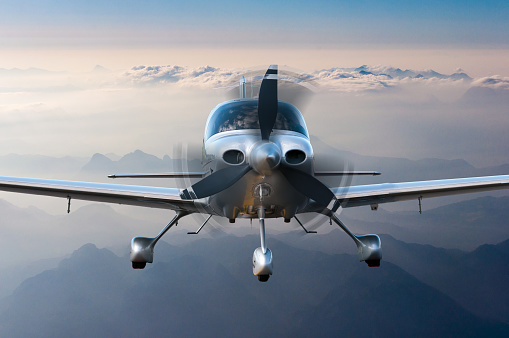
(243, 114)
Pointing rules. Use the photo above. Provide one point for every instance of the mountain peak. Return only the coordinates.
(100, 69)
(99, 163)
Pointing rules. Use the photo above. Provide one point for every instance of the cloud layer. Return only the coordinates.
(189, 77)
(347, 80)
(340, 80)
(494, 82)
(372, 110)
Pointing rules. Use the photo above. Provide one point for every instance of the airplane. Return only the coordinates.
(257, 163)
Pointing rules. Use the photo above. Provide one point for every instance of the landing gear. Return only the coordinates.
(142, 248)
(369, 247)
(262, 256)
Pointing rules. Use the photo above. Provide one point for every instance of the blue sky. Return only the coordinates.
(331, 24)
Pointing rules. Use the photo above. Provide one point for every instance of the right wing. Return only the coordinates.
(394, 192)
(152, 197)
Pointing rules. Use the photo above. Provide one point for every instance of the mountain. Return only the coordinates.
(207, 289)
(136, 162)
(460, 76)
(326, 158)
(100, 70)
(464, 225)
(477, 280)
(480, 96)
(392, 72)
(394, 169)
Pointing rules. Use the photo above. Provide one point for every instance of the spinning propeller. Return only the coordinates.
(265, 156)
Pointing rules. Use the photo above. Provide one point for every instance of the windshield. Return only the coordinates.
(243, 114)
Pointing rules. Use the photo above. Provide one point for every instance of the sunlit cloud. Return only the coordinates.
(151, 107)
(359, 81)
(347, 80)
(184, 76)
(494, 82)
(340, 80)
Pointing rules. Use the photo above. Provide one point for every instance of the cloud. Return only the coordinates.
(493, 82)
(346, 80)
(376, 78)
(188, 77)
(152, 107)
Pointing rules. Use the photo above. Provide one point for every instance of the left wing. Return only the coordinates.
(152, 197)
(394, 192)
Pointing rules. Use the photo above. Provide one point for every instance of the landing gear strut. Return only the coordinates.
(142, 248)
(369, 247)
(262, 256)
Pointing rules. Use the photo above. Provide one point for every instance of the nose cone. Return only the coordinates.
(265, 157)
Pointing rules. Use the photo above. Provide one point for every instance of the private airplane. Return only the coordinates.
(257, 163)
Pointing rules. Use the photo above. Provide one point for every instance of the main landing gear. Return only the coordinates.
(142, 248)
(369, 247)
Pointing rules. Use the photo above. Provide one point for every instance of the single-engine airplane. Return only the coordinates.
(257, 163)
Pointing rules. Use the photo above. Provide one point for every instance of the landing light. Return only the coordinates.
(262, 190)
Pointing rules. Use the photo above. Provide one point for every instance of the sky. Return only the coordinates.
(72, 35)
(262, 23)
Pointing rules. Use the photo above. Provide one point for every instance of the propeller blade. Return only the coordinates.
(267, 102)
(215, 182)
(308, 185)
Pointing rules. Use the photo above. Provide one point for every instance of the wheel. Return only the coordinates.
(374, 263)
(139, 265)
(263, 278)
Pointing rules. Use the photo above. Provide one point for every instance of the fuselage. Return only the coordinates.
(232, 138)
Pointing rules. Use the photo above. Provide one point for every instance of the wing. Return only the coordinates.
(152, 197)
(394, 192)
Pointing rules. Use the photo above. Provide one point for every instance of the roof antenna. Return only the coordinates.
(242, 86)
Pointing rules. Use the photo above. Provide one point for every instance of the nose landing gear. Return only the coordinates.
(262, 256)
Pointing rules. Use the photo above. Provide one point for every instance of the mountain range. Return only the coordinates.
(203, 286)
(206, 289)
(326, 158)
